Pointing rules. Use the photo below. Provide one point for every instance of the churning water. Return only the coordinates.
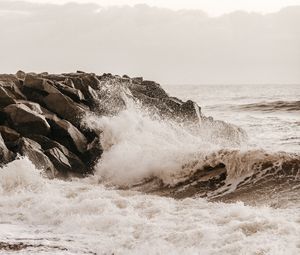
(105, 214)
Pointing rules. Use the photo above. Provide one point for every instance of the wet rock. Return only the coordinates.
(9, 134)
(190, 111)
(92, 81)
(25, 120)
(67, 134)
(20, 75)
(152, 89)
(137, 80)
(6, 98)
(59, 160)
(93, 152)
(32, 150)
(5, 155)
(73, 93)
(65, 107)
(75, 162)
(44, 86)
(89, 93)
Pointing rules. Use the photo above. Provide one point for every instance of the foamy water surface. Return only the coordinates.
(91, 216)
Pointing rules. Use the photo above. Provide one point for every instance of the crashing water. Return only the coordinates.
(110, 213)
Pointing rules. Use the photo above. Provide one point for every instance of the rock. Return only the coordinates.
(65, 107)
(8, 134)
(67, 134)
(6, 98)
(91, 80)
(32, 150)
(59, 160)
(21, 75)
(75, 162)
(44, 86)
(9, 93)
(73, 93)
(9, 78)
(137, 80)
(25, 120)
(93, 152)
(190, 111)
(54, 77)
(5, 155)
(13, 88)
(89, 93)
(68, 82)
(150, 89)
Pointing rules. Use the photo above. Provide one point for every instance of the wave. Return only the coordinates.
(158, 156)
(288, 106)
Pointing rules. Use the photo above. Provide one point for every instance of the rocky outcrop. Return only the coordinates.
(41, 115)
(25, 120)
(5, 155)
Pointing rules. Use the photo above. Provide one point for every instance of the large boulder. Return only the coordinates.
(89, 93)
(8, 134)
(66, 134)
(71, 92)
(150, 89)
(44, 86)
(59, 160)
(33, 151)
(76, 164)
(26, 120)
(65, 107)
(5, 154)
(6, 98)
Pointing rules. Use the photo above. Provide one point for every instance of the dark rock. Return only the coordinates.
(67, 134)
(9, 78)
(59, 160)
(137, 80)
(54, 77)
(21, 75)
(91, 80)
(73, 93)
(65, 107)
(5, 155)
(89, 93)
(76, 163)
(150, 89)
(68, 82)
(8, 134)
(32, 150)
(126, 76)
(93, 152)
(6, 98)
(190, 111)
(26, 120)
(42, 85)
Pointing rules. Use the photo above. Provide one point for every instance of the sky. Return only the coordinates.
(167, 45)
(212, 7)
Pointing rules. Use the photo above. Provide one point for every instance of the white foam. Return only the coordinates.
(138, 146)
(82, 216)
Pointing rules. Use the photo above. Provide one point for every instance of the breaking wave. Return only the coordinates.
(154, 155)
(288, 106)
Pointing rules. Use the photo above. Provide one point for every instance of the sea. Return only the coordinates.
(106, 213)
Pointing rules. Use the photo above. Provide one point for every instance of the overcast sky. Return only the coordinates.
(167, 45)
(212, 7)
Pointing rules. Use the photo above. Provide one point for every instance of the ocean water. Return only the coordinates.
(105, 214)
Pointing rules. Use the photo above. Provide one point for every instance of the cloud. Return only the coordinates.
(161, 44)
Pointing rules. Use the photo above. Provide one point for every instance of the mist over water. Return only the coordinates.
(103, 214)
